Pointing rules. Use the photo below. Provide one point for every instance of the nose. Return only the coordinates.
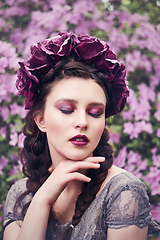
(81, 121)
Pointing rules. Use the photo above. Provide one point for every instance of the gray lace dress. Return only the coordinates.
(122, 202)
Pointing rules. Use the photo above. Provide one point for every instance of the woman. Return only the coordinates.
(72, 190)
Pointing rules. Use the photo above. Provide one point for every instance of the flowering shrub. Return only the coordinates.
(135, 133)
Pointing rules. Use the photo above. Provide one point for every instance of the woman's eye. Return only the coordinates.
(66, 111)
(95, 115)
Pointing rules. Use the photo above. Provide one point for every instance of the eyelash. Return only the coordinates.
(98, 115)
(71, 111)
(66, 111)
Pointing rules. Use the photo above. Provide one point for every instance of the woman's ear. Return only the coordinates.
(39, 120)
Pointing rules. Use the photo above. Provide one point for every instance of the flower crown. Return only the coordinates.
(89, 50)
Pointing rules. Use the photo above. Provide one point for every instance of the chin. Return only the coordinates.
(80, 157)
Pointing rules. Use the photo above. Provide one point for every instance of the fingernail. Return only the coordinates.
(88, 179)
(101, 158)
(97, 164)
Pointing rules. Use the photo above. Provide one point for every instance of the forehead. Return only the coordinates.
(77, 88)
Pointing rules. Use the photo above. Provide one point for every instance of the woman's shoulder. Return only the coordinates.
(18, 187)
(119, 179)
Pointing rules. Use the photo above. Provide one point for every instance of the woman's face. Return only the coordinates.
(74, 118)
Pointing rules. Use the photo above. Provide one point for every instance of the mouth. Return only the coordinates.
(79, 140)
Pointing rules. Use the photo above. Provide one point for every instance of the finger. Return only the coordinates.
(95, 159)
(77, 176)
(81, 165)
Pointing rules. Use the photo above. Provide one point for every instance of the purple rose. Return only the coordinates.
(90, 48)
(59, 46)
(39, 63)
(27, 85)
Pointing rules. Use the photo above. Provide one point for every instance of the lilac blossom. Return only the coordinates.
(21, 140)
(114, 137)
(13, 137)
(158, 132)
(136, 60)
(133, 103)
(133, 129)
(17, 109)
(146, 36)
(16, 169)
(155, 211)
(3, 164)
(14, 158)
(7, 84)
(119, 41)
(146, 93)
(120, 159)
(16, 39)
(157, 113)
(135, 164)
(8, 58)
(3, 131)
(152, 179)
(154, 81)
(4, 112)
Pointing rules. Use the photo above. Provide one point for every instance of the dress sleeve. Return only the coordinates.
(128, 204)
(15, 191)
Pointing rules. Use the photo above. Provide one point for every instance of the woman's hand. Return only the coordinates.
(65, 172)
(35, 222)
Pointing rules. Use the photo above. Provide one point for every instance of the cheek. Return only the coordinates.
(98, 130)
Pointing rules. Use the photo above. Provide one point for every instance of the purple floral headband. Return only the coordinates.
(90, 50)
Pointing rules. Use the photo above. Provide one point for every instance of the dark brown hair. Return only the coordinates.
(35, 155)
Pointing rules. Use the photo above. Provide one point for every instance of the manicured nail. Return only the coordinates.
(88, 179)
(101, 158)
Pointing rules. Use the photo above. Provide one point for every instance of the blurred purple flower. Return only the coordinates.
(157, 113)
(3, 164)
(16, 11)
(146, 36)
(142, 112)
(21, 140)
(120, 159)
(158, 132)
(7, 84)
(136, 60)
(129, 129)
(146, 93)
(13, 138)
(3, 131)
(155, 211)
(119, 41)
(156, 160)
(14, 158)
(135, 164)
(17, 109)
(114, 137)
(133, 103)
(8, 58)
(4, 112)
(152, 179)
(133, 129)
(3, 64)
(16, 169)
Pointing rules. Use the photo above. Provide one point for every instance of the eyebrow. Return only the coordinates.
(76, 102)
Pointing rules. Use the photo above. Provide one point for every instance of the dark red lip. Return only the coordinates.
(83, 137)
(79, 140)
